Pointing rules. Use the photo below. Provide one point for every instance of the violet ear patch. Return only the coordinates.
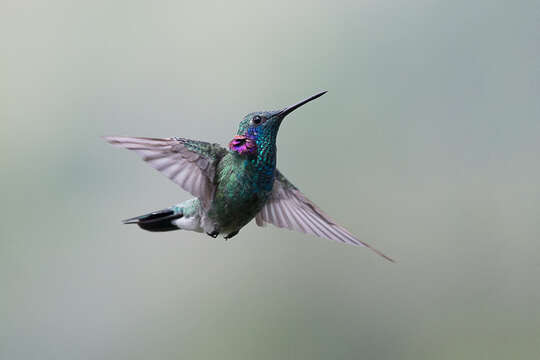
(243, 145)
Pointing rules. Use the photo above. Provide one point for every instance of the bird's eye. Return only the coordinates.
(256, 120)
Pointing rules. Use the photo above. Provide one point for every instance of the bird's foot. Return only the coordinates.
(230, 235)
(213, 234)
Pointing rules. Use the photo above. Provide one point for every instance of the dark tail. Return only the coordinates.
(156, 221)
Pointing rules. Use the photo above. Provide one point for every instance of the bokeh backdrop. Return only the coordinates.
(426, 146)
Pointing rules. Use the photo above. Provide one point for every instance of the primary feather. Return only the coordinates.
(189, 163)
(289, 208)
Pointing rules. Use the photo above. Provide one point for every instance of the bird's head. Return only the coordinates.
(259, 129)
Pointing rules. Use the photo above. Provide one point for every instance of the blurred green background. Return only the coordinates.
(426, 146)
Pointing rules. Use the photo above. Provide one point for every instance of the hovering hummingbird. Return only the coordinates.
(232, 186)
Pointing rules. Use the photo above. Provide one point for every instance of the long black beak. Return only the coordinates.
(291, 108)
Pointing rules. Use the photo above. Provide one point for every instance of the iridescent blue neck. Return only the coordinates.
(266, 147)
(265, 159)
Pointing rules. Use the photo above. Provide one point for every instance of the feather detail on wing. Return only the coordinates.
(189, 163)
(289, 208)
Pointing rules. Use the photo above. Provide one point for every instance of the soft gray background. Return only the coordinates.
(426, 146)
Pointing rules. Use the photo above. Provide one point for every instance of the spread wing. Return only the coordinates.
(289, 208)
(189, 163)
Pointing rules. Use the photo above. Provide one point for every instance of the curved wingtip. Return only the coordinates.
(378, 252)
(383, 255)
(114, 140)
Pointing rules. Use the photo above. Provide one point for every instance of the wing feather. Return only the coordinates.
(189, 163)
(289, 208)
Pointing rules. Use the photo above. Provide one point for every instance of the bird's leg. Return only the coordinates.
(230, 235)
(213, 234)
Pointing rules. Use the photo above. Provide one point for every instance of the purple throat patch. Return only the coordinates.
(243, 144)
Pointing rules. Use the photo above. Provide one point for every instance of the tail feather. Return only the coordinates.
(156, 221)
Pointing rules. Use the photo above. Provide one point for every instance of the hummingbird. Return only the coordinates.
(233, 185)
